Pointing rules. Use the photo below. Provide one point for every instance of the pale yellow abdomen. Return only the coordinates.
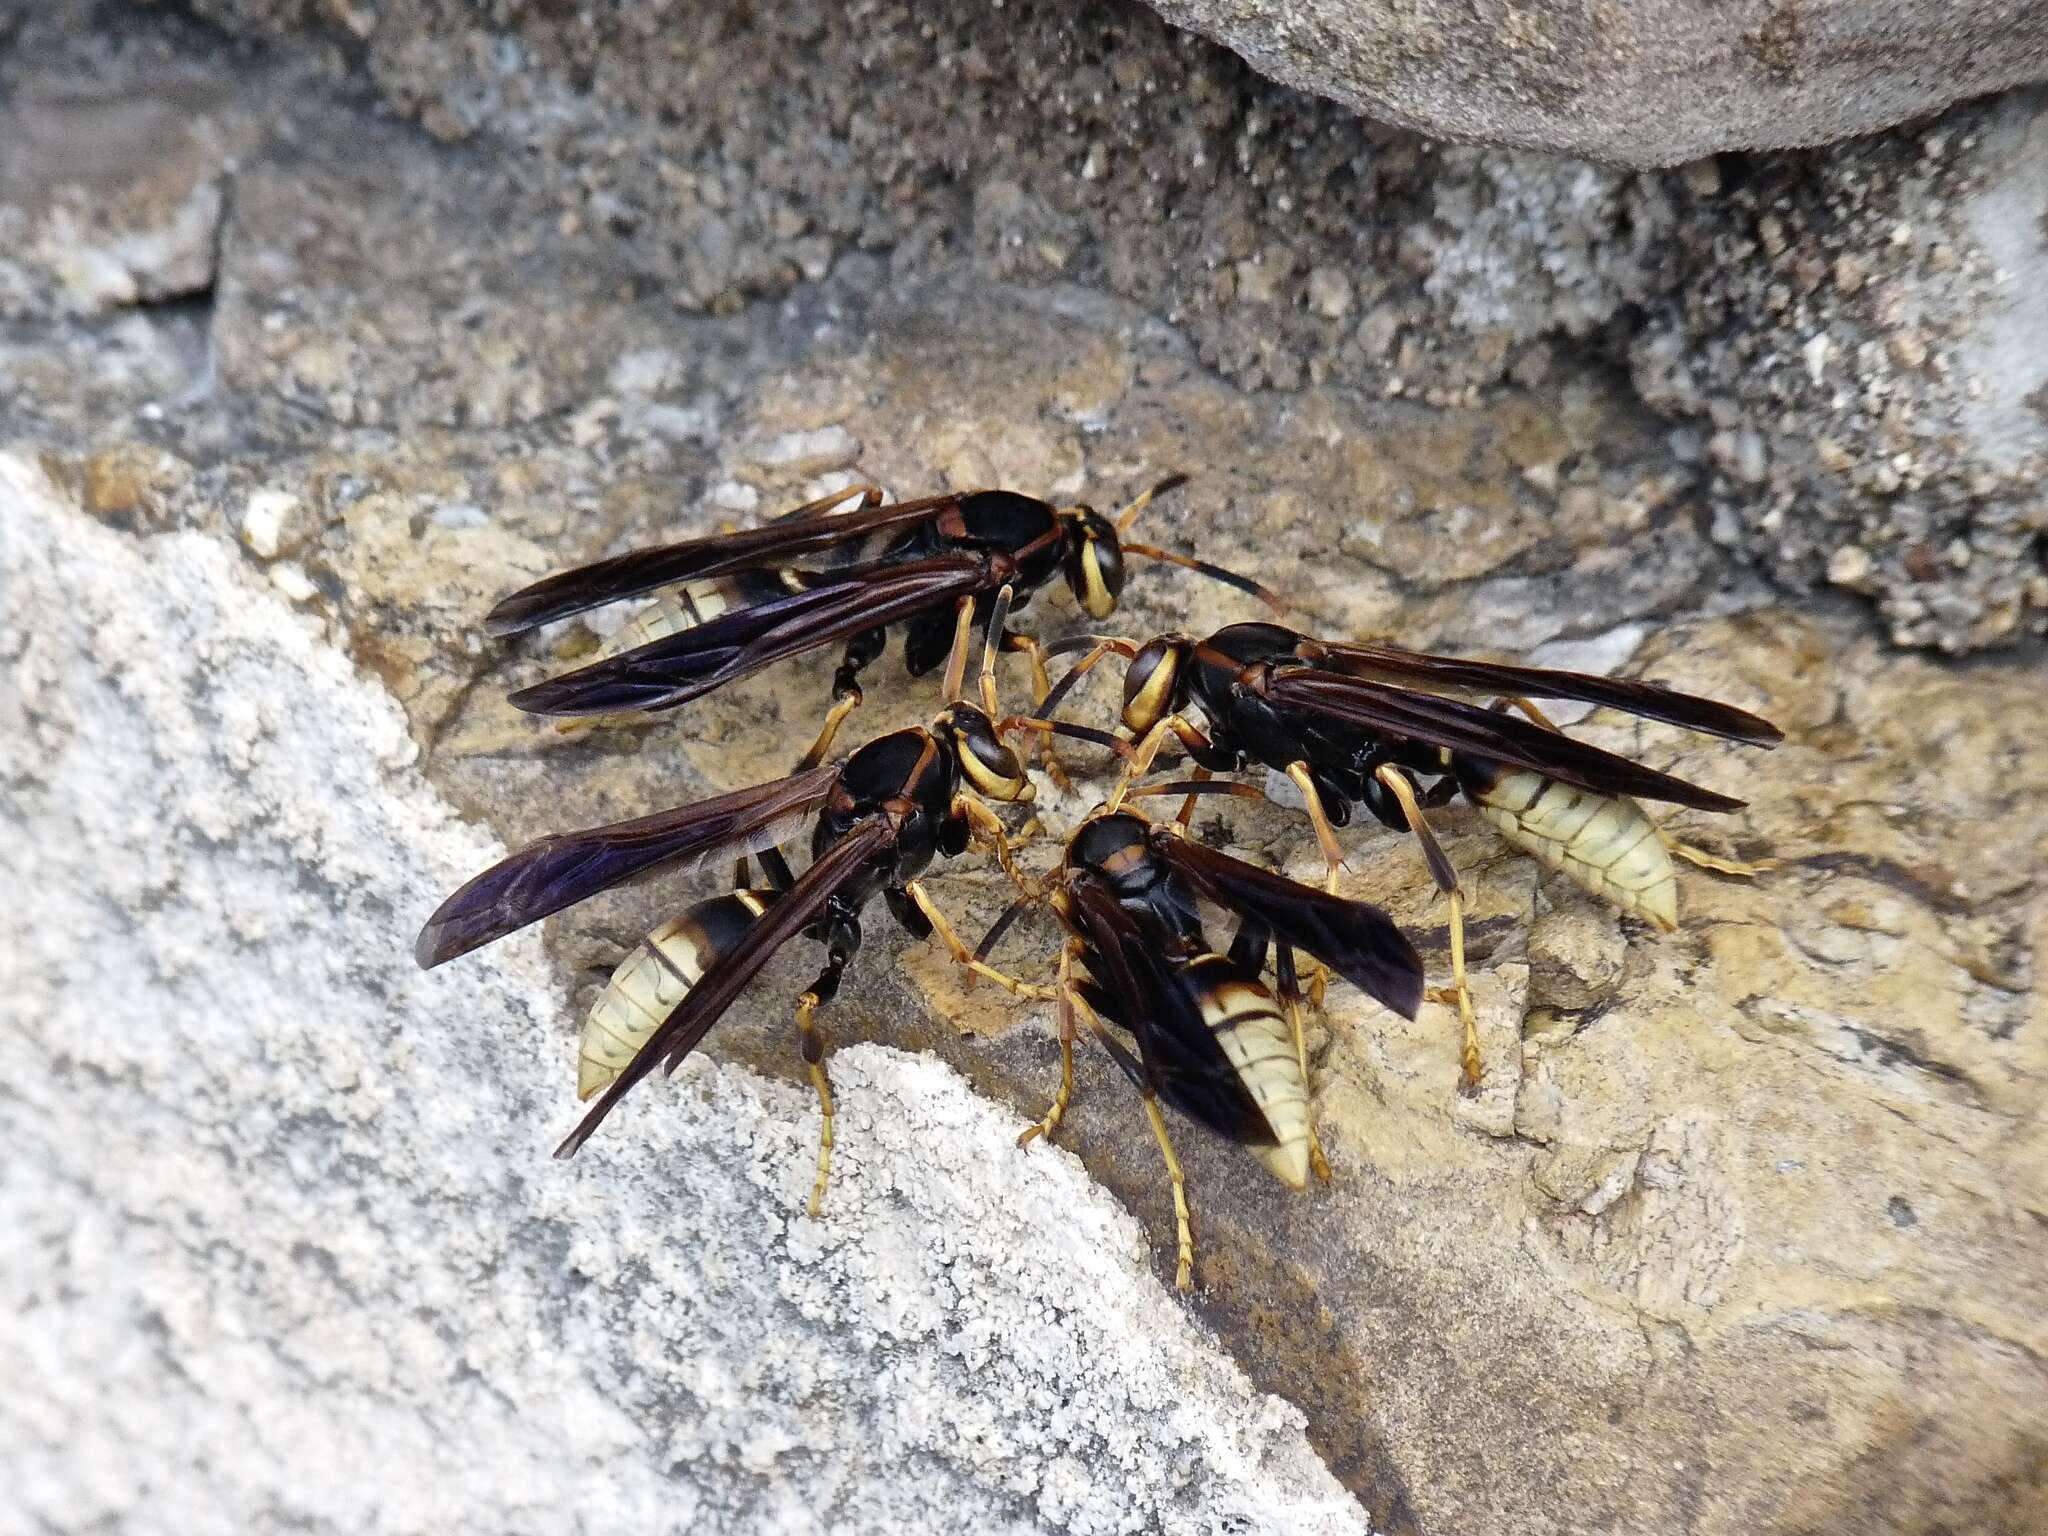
(652, 981)
(1255, 1039)
(1606, 843)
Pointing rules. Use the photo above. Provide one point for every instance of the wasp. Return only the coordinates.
(1212, 1041)
(882, 817)
(843, 568)
(1397, 732)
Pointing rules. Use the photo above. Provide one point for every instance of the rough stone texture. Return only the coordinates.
(1651, 82)
(286, 1248)
(1743, 1233)
(1864, 339)
(1811, 361)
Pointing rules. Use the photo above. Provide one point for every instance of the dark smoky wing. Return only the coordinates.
(1160, 1003)
(790, 541)
(559, 871)
(1493, 734)
(1652, 701)
(1354, 938)
(693, 662)
(716, 990)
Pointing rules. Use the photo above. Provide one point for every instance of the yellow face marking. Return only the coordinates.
(1096, 598)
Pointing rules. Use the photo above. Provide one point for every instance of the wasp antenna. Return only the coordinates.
(998, 617)
(1073, 643)
(1002, 925)
(1129, 515)
(1059, 691)
(1116, 744)
(1228, 577)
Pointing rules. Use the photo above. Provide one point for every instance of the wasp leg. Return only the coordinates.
(1184, 1227)
(943, 930)
(1528, 708)
(1333, 861)
(813, 1042)
(1741, 869)
(870, 496)
(846, 694)
(1067, 1026)
(1041, 690)
(1190, 737)
(987, 828)
(1290, 1003)
(1446, 876)
(956, 656)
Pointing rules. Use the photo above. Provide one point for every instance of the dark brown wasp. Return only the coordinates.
(1213, 1042)
(1372, 725)
(897, 803)
(748, 599)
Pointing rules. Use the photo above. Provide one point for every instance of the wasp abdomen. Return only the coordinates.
(652, 981)
(1256, 1040)
(1607, 843)
(688, 606)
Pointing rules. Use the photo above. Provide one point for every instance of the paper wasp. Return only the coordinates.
(1372, 725)
(1213, 1042)
(748, 600)
(897, 803)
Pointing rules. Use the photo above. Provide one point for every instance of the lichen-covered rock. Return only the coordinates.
(1653, 82)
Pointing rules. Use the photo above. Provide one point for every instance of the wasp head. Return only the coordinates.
(988, 765)
(1152, 682)
(1094, 560)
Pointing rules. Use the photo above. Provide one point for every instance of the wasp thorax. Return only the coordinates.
(1094, 561)
(1152, 680)
(990, 768)
(1115, 845)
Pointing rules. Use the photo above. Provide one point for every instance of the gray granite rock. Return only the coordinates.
(1649, 83)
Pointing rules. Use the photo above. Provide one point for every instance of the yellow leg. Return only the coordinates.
(1333, 862)
(989, 830)
(1719, 865)
(1041, 689)
(943, 931)
(814, 1057)
(1446, 876)
(1141, 760)
(1529, 708)
(1064, 1094)
(834, 718)
(956, 658)
(1184, 1227)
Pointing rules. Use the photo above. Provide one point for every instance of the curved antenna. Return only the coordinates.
(1116, 744)
(1214, 572)
(1002, 925)
(998, 616)
(1058, 695)
(1129, 515)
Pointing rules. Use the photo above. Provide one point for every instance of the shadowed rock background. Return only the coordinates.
(323, 324)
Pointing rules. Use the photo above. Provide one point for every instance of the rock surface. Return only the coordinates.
(1653, 82)
(281, 1212)
(1845, 342)
(1744, 1231)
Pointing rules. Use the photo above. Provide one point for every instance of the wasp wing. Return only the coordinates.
(715, 991)
(1354, 938)
(1653, 701)
(1493, 734)
(784, 542)
(1160, 1004)
(691, 663)
(559, 871)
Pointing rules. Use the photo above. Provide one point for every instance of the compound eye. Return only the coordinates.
(1095, 566)
(1148, 684)
(990, 767)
